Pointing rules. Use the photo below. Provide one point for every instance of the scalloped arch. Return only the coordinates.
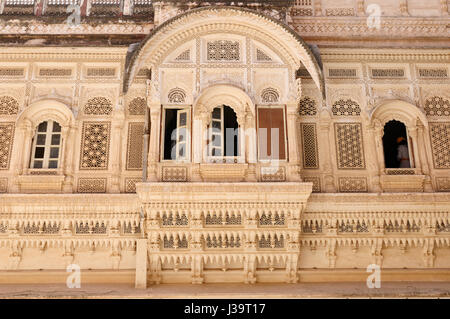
(214, 18)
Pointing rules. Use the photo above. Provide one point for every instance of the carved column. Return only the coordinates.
(251, 155)
(68, 163)
(27, 139)
(116, 139)
(293, 143)
(412, 133)
(153, 150)
(324, 152)
(372, 159)
(378, 137)
(428, 187)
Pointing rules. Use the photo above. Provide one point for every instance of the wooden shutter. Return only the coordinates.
(269, 119)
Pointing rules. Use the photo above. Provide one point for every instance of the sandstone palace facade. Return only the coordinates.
(203, 142)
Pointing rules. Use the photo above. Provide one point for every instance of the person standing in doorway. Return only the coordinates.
(402, 153)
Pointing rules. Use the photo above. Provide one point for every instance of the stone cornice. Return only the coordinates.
(339, 27)
(385, 202)
(382, 54)
(226, 192)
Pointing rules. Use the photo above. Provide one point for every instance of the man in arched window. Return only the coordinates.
(402, 153)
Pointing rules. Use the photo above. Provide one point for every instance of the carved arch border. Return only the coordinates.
(47, 109)
(162, 38)
(398, 110)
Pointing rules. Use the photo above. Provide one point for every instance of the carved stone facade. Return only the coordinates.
(151, 187)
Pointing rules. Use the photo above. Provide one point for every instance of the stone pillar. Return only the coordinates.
(373, 164)
(412, 133)
(378, 137)
(428, 187)
(116, 139)
(67, 165)
(325, 151)
(153, 150)
(293, 143)
(17, 158)
(27, 142)
(251, 140)
(141, 263)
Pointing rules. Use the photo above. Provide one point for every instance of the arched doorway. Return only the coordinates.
(396, 146)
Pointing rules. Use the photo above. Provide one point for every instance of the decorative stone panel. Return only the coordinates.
(174, 174)
(342, 73)
(137, 106)
(92, 185)
(433, 73)
(340, 12)
(443, 184)
(95, 141)
(352, 184)
(6, 143)
(55, 72)
(315, 181)
(309, 143)
(346, 108)
(223, 50)
(307, 107)
(440, 143)
(177, 96)
(273, 174)
(184, 56)
(349, 146)
(3, 185)
(135, 145)
(98, 106)
(261, 56)
(130, 184)
(100, 72)
(8, 105)
(387, 73)
(437, 106)
(11, 72)
(270, 95)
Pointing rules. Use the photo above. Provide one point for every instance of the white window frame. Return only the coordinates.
(212, 159)
(182, 108)
(47, 146)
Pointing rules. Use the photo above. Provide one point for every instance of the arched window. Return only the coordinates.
(397, 149)
(224, 133)
(46, 149)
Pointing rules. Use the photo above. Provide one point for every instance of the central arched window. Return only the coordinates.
(46, 148)
(396, 146)
(224, 133)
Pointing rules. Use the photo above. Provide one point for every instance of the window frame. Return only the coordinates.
(286, 149)
(180, 107)
(47, 146)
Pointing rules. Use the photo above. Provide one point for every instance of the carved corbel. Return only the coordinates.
(68, 254)
(16, 255)
(197, 269)
(291, 269)
(376, 251)
(115, 254)
(331, 253)
(155, 269)
(250, 269)
(428, 253)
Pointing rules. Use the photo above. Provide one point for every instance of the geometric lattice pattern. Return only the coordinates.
(6, 143)
(135, 143)
(440, 143)
(92, 185)
(316, 183)
(8, 106)
(346, 108)
(443, 184)
(349, 146)
(437, 106)
(184, 56)
(137, 106)
(130, 184)
(98, 106)
(3, 185)
(223, 50)
(261, 56)
(352, 184)
(309, 142)
(273, 174)
(174, 174)
(307, 106)
(95, 145)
